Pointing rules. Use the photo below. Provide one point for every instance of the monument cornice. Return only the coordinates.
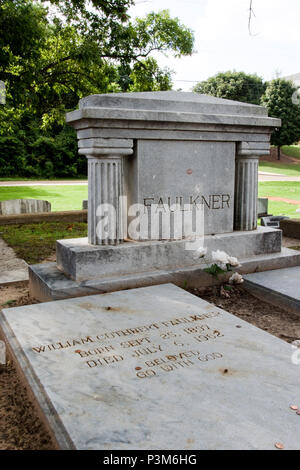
(77, 118)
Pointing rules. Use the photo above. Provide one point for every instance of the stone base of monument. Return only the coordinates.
(81, 261)
(155, 368)
(84, 269)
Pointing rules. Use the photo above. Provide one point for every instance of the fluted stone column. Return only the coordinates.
(106, 209)
(246, 182)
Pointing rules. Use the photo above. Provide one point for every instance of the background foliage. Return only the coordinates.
(51, 56)
(275, 95)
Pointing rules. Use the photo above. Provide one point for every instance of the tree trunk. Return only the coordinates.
(278, 152)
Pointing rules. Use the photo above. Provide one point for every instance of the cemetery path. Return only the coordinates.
(262, 176)
(269, 177)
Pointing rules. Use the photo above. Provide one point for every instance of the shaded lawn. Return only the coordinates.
(284, 189)
(36, 242)
(62, 198)
(291, 150)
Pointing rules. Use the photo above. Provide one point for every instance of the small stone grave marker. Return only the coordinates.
(272, 221)
(24, 206)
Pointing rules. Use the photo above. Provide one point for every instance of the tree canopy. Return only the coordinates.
(275, 95)
(278, 100)
(51, 55)
(237, 86)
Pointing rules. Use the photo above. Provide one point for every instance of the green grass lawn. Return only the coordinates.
(284, 189)
(280, 168)
(71, 197)
(35, 242)
(62, 198)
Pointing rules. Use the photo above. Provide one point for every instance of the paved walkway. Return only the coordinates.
(264, 177)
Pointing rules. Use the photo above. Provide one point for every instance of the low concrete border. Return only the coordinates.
(272, 297)
(60, 216)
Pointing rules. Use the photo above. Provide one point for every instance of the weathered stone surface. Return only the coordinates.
(246, 184)
(188, 160)
(272, 221)
(172, 162)
(48, 283)
(24, 206)
(190, 174)
(280, 287)
(155, 368)
(262, 206)
(13, 269)
(82, 261)
(290, 228)
(170, 106)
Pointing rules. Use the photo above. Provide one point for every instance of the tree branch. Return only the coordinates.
(251, 13)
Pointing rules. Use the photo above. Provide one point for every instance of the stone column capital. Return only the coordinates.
(252, 149)
(99, 147)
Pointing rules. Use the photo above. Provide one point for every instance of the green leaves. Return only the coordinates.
(278, 101)
(158, 31)
(237, 86)
(53, 55)
(276, 96)
(52, 58)
(147, 76)
(214, 270)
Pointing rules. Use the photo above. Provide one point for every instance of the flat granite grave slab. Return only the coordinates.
(155, 368)
(280, 287)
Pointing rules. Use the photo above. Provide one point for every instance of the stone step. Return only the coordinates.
(47, 282)
(279, 287)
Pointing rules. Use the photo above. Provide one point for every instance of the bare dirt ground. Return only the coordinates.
(274, 320)
(20, 425)
(289, 242)
(21, 428)
(284, 199)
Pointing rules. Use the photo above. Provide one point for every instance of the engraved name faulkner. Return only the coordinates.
(211, 201)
